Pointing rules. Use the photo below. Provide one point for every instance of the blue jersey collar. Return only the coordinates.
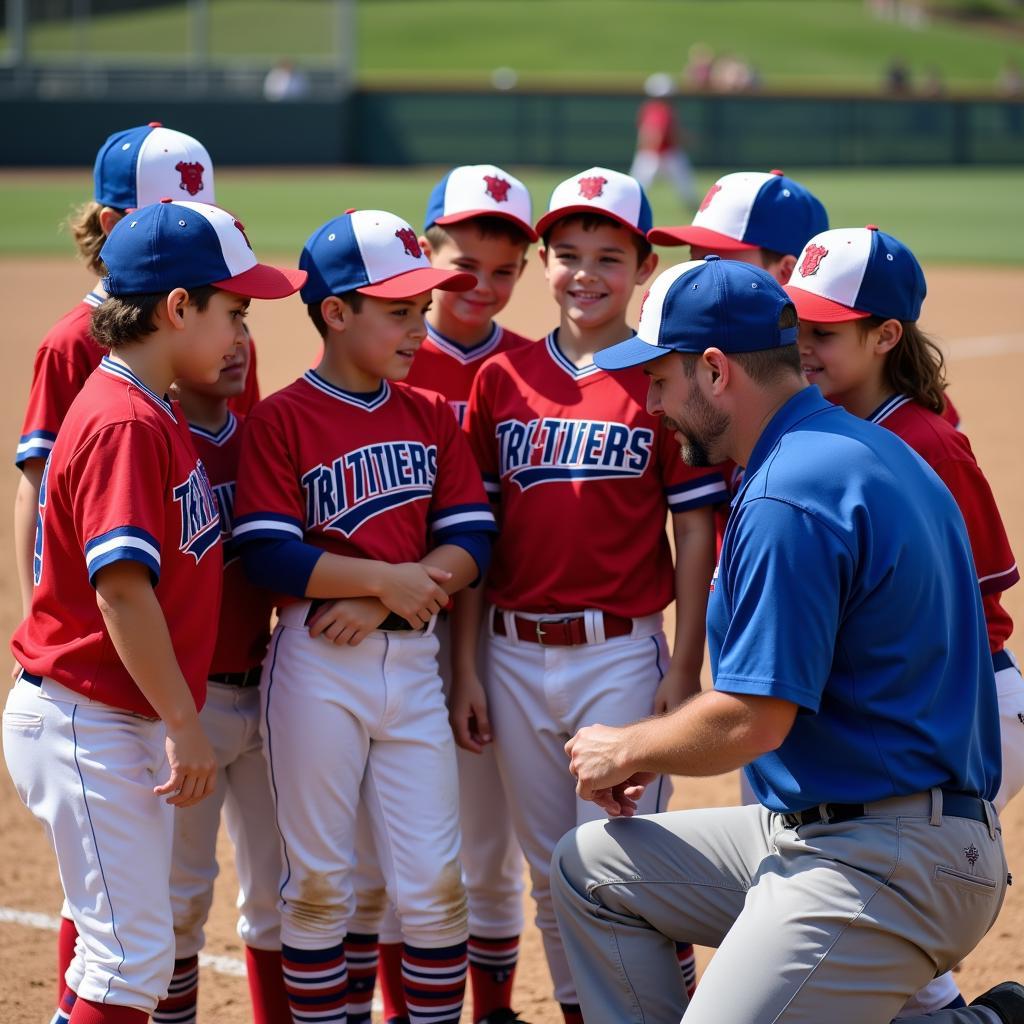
(808, 402)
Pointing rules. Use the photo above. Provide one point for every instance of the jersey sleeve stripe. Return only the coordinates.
(997, 582)
(265, 525)
(123, 544)
(460, 522)
(708, 490)
(35, 445)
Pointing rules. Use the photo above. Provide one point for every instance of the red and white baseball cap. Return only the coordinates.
(853, 273)
(375, 253)
(480, 190)
(170, 245)
(751, 210)
(603, 191)
(140, 166)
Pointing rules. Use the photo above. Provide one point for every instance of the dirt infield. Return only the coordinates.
(974, 313)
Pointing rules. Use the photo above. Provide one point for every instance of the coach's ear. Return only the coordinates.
(335, 312)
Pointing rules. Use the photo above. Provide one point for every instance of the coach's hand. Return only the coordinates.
(413, 591)
(467, 712)
(349, 620)
(193, 766)
(598, 758)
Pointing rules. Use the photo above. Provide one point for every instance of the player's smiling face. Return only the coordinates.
(593, 273)
(839, 359)
(380, 340)
(211, 339)
(497, 263)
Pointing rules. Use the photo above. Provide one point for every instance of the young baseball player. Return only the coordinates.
(584, 479)
(133, 168)
(478, 220)
(230, 719)
(127, 572)
(347, 465)
(859, 292)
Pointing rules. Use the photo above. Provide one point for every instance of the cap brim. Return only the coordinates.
(631, 352)
(818, 309)
(416, 282)
(567, 211)
(457, 218)
(264, 282)
(705, 238)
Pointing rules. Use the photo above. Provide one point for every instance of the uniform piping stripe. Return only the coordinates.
(995, 575)
(94, 300)
(108, 366)
(484, 517)
(576, 372)
(41, 440)
(277, 527)
(96, 847)
(217, 437)
(275, 643)
(462, 354)
(374, 401)
(887, 408)
(696, 495)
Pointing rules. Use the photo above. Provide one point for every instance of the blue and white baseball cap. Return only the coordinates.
(603, 191)
(140, 166)
(751, 210)
(702, 304)
(375, 253)
(853, 273)
(172, 245)
(480, 190)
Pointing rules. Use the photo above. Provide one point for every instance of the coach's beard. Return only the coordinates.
(703, 431)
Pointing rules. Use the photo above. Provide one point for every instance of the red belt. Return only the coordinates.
(570, 631)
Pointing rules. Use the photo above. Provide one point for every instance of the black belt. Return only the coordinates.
(29, 678)
(250, 677)
(1001, 660)
(958, 805)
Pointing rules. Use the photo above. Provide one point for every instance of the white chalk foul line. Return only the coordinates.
(47, 922)
(228, 965)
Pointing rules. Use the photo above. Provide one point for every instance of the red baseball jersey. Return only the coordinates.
(386, 475)
(122, 482)
(584, 476)
(948, 452)
(64, 360)
(656, 124)
(445, 366)
(244, 628)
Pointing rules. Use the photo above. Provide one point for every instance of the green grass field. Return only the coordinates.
(832, 44)
(946, 215)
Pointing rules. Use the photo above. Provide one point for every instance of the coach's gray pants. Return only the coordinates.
(836, 923)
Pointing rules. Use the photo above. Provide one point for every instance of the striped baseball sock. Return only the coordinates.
(361, 956)
(688, 965)
(266, 986)
(180, 1006)
(571, 1013)
(316, 981)
(67, 1003)
(88, 1012)
(492, 969)
(392, 988)
(435, 983)
(67, 935)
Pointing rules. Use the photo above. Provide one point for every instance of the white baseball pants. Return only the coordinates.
(87, 772)
(492, 863)
(538, 698)
(231, 721)
(341, 724)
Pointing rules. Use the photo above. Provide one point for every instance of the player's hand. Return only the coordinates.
(413, 591)
(597, 759)
(675, 688)
(193, 766)
(349, 620)
(467, 712)
(621, 801)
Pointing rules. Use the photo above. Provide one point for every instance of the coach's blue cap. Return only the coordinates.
(709, 303)
(141, 165)
(853, 273)
(172, 245)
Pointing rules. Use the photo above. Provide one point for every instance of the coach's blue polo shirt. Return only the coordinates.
(846, 585)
